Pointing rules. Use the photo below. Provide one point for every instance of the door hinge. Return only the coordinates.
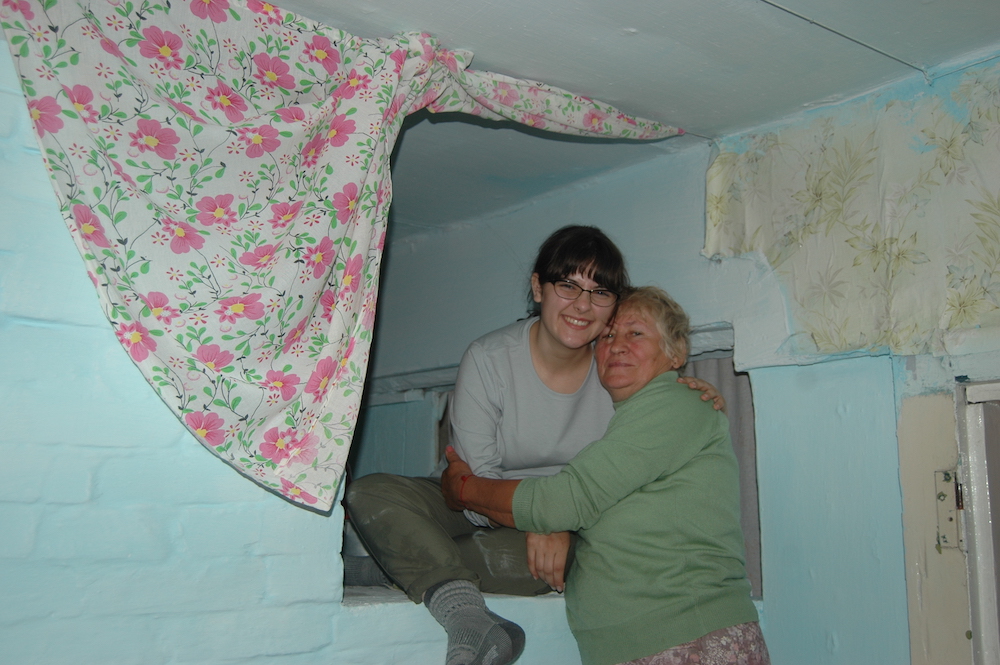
(950, 500)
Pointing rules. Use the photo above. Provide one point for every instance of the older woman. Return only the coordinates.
(659, 575)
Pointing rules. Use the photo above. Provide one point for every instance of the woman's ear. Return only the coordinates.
(536, 287)
(677, 358)
(680, 357)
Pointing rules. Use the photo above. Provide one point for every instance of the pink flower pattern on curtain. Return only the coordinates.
(223, 168)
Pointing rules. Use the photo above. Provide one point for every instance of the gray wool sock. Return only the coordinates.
(363, 571)
(476, 636)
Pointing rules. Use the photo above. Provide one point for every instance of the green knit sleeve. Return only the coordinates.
(653, 434)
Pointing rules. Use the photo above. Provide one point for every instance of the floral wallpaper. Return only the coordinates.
(223, 167)
(880, 217)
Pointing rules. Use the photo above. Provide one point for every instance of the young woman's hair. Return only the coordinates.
(670, 319)
(580, 249)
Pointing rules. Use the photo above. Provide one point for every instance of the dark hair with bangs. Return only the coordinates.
(582, 249)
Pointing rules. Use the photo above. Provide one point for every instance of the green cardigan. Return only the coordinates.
(656, 502)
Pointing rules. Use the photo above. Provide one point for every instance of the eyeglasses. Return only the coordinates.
(568, 290)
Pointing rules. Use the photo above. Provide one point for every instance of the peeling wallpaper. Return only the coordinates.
(880, 218)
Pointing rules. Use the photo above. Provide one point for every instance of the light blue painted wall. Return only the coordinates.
(122, 540)
(397, 438)
(830, 510)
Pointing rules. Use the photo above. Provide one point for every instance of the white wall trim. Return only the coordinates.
(979, 539)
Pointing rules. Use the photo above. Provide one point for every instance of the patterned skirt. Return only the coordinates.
(742, 644)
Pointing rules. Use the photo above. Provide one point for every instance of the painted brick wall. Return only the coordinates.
(122, 541)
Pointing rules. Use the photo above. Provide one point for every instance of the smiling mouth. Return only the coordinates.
(577, 322)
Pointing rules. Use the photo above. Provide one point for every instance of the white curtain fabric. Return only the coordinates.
(223, 167)
(880, 218)
(739, 407)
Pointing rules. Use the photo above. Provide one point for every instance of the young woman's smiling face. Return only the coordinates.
(572, 323)
(630, 355)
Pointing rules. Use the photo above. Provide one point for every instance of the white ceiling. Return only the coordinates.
(711, 67)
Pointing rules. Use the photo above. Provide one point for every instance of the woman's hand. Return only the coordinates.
(453, 478)
(708, 391)
(547, 557)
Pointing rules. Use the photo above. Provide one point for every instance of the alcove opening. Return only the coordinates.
(403, 429)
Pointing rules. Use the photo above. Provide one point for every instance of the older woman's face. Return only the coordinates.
(629, 354)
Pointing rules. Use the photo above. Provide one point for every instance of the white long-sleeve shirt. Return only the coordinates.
(506, 423)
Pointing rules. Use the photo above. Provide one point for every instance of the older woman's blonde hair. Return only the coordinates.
(670, 319)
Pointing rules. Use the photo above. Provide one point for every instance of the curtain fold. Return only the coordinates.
(721, 373)
(223, 168)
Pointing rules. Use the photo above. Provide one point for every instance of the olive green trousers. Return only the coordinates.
(419, 542)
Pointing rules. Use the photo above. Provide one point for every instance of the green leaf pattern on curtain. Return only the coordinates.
(223, 168)
(880, 217)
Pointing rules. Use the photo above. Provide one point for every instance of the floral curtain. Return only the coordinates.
(880, 217)
(223, 168)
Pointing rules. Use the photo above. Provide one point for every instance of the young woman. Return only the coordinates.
(527, 399)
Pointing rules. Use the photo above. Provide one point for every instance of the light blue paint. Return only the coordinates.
(831, 513)
(397, 438)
